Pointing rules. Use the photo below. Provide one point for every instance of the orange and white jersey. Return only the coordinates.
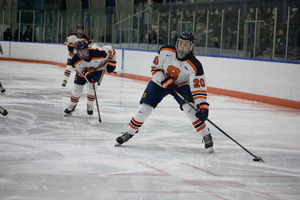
(110, 52)
(183, 71)
(71, 42)
(97, 60)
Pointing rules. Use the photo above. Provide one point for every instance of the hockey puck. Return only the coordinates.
(255, 159)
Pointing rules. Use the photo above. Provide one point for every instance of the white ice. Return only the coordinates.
(46, 156)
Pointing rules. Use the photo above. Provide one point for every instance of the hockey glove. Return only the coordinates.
(202, 113)
(90, 77)
(169, 85)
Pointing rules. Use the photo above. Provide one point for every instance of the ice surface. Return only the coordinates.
(46, 156)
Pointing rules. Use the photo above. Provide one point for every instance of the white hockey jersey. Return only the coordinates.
(183, 71)
(99, 59)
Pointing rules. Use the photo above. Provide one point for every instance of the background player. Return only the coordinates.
(175, 68)
(71, 42)
(90, 65)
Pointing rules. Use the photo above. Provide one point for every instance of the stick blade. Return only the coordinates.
(94, 121)
(119, 72)
(258, 159)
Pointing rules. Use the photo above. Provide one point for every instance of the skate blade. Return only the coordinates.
(117, 144)
(210, 150)
(94, 121)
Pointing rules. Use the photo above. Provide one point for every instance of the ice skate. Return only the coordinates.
(69, 110)
(64, 83)
(208, 143)
(3, 111)
(89, 109)
(2, 89)
(123, 138)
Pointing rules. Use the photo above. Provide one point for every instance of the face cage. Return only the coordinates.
(79, 34)
(184, 53)
(85, 56)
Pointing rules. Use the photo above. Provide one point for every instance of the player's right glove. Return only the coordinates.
(90, 77)
(169, 85)
(202, 113)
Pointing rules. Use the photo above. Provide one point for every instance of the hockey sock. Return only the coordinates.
(67, 72)
(198, 125)
(76, 93)
(91, 93)
(139, 118)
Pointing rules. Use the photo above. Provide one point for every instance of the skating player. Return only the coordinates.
(71, 42)
(90, 65)
(175, 68)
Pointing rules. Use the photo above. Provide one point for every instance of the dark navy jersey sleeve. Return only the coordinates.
(197, 65)
(97, 53)
(74, 60)
(70, 48)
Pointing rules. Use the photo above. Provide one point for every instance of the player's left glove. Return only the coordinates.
(202, 113)
(169, 85)
(90, 77)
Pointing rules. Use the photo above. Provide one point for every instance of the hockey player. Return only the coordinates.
(71, 42)
(90, 65)
(175, 68)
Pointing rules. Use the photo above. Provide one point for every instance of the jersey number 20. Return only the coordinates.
(199, 82)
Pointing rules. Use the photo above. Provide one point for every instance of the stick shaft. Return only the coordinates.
(96, 101)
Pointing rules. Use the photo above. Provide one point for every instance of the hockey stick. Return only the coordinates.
(96, 101)
(119, 72)
(256, 158)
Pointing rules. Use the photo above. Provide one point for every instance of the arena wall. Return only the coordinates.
(261, 80)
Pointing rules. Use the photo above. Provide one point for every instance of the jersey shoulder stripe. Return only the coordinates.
(72, 34)
(167, 48)
(196, 65)
(84, 37)
(74, 60)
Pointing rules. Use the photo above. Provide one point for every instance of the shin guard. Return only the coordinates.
(139, 118)
(198, 125)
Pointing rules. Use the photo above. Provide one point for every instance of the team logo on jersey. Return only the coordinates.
(186, 68)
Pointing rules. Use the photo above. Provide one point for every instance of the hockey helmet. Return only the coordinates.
(79, 26)
(79, 31)
(82, 50)
(186, 36)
